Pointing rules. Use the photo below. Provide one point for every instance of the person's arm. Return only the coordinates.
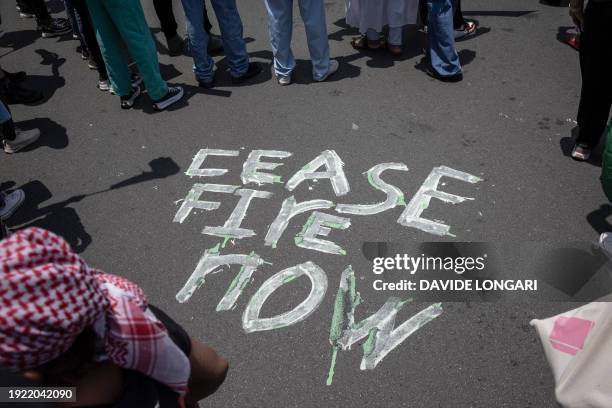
(576, 12)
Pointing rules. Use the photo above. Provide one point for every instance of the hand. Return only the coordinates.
(577, 15)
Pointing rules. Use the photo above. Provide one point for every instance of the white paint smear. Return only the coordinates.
(289, 209)
(411, 216)
(321, 224)
(193, 199)
(253, 163)
(211, 263)
(395, 196)
(231, 228)
(251, 322)
(194, 169)
(333, 172)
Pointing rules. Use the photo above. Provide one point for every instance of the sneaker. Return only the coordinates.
(175, 93)
(75, 36)
(104, 85)
(55, 27)
(127, 102)
(283, 80)
(333, 67)
(467, 30)
(23, 138)
(253, 70)
(448, 78)
(207, 84)
(26, 14)
(176, 45)
(84, 55)
(136, 81)
(12, 201)
(581, 152)
(215, 44)
(91, 64)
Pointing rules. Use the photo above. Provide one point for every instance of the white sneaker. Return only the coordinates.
(23, 138)
(104, 85)
(333, 67)
(12, 201)
(283, 80)
(605, 243)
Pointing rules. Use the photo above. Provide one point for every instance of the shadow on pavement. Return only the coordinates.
(599, 218)
(63, 219)
(52, 134)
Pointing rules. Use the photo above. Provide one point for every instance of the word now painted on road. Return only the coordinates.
(378, 329)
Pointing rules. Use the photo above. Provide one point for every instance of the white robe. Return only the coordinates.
(375, 14)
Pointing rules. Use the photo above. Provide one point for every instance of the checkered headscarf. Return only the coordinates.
(48, 296)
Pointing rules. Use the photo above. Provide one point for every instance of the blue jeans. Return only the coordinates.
(280, 24)
(231, 34)
(440, 37)
(4, 113)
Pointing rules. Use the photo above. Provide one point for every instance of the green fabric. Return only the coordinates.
(606, 166)
(124, 20)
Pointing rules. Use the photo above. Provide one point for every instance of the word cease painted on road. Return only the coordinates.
(259, 170)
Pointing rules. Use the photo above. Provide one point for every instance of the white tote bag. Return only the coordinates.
(578, 346)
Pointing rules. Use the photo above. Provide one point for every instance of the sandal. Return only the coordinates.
(581, 152)
(362, 42)
(468, 29)
(395, 50)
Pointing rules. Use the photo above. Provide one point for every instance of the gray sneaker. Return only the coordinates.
(333, 67)
(23, 138)
(11, 201)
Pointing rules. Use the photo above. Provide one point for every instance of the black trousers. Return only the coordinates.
(38, 7)
(165, 14)
(458, 20)
(89, 36)
(595, 57)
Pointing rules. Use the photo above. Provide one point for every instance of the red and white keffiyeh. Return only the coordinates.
(48, 295)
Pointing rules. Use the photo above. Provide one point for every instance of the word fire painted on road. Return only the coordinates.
(379, 329)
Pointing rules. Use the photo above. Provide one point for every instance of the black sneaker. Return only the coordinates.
(207, 84)
(24, 12)
(127, 102)
(54, 27)
(253, 70)
(175, 93)
(448, 78)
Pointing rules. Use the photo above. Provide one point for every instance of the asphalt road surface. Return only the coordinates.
(111, 181)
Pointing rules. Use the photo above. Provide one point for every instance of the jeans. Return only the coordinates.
(441, 37)
(458, 20)
(165, 14)
(231, 34)
(4, 113)
(280, 25)
(394, 37)
(117, 20)
(595, 57)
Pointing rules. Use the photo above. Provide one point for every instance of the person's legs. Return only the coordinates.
(109, 41)
(280, 26)
(458, 20)
(234, 45)
(165, 14)
(440, 38)
(203, 64)
(129, 20)
(208, 371)
(89, 37)
(395, 36)
(596, 95)
(313, 15)
(39, 8)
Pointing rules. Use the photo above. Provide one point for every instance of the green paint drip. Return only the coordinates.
(226, 239)
(370, 344)
(401, 200)
(332, 367)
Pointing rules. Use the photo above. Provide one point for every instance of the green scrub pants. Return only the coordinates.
(117, 20)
